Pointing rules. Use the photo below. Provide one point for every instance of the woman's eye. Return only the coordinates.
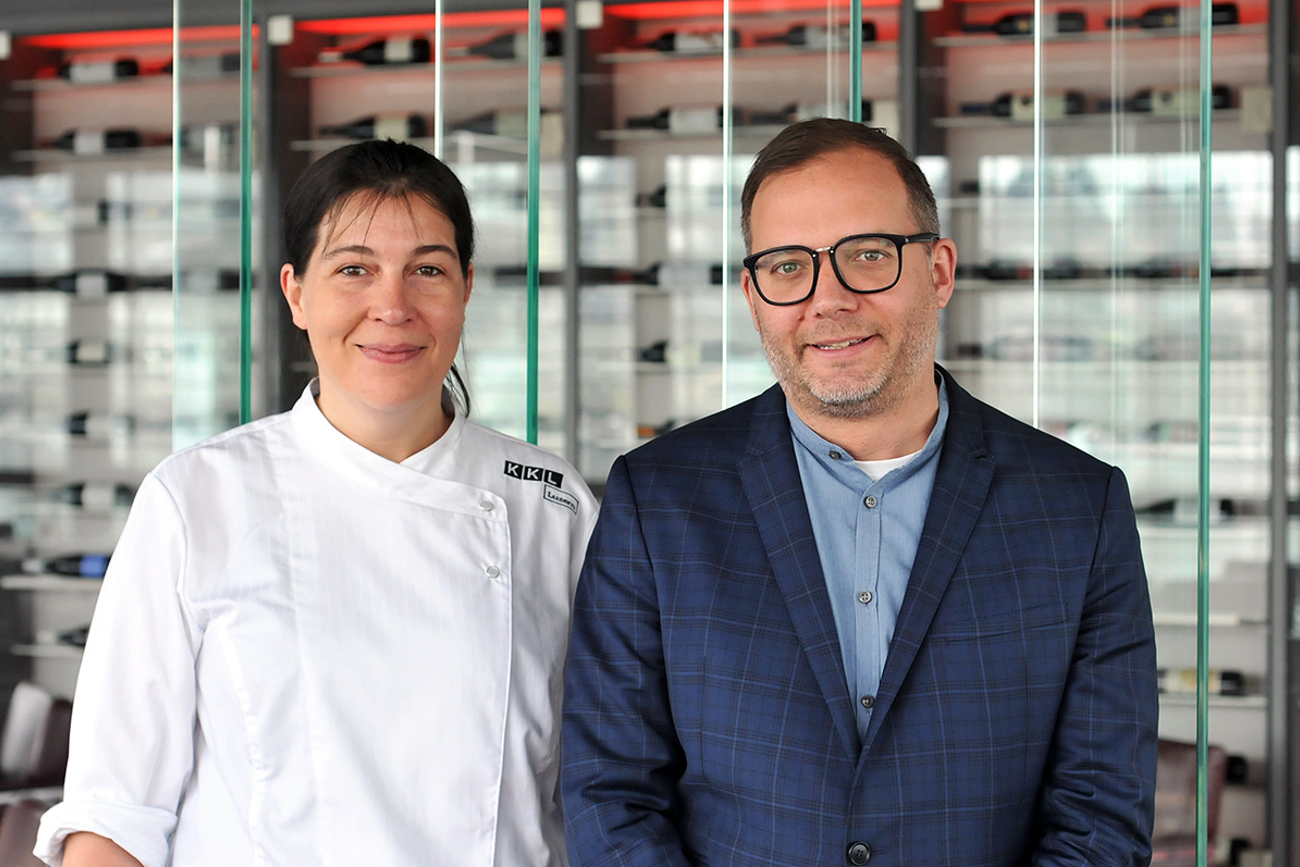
(352, 271)
(429, 271)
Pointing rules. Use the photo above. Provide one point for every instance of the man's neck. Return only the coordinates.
(892, 433)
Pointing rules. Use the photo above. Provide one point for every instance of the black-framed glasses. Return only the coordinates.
(865, 264)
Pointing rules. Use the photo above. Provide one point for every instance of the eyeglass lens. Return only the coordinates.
(865, 263)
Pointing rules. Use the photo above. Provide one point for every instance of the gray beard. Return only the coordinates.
(856, 400)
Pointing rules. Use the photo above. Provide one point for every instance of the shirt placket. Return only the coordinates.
(867, 610)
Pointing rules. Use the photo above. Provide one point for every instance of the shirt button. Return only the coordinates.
(493, 572)
(859, 854)
(835, 456)
(870, 501)
(865, 597)
(868, 701)
(485, 505)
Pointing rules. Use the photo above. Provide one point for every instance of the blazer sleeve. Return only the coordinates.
(621, 757)
(1098, 801)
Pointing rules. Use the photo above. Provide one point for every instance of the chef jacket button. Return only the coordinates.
(859, 854)
(493, 572)
(486, 505)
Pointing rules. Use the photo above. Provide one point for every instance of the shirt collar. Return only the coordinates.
(836, 460)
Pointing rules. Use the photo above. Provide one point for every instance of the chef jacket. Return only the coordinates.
(304, 653)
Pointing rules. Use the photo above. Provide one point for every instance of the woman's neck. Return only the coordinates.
(395, 434)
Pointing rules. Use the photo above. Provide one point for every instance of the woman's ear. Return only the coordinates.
(292, 290)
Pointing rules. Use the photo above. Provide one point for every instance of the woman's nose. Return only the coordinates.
(390, 303)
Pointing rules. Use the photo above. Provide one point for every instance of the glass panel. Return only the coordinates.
(666, 336)
(207, 192)
(1075, 160)
(354, 91)
(85, 323)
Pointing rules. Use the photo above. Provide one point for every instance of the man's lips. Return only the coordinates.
(837, 345)
(389, 353)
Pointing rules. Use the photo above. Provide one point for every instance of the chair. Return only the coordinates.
(34, 745)
(18, 827)
(1173, 840)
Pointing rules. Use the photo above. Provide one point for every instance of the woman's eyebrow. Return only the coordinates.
(350, 250)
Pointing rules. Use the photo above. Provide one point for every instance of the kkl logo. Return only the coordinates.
(534, 474)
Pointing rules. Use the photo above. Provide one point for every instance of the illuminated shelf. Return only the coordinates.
(59, 583)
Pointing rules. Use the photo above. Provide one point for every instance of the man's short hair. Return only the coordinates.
(803, 142)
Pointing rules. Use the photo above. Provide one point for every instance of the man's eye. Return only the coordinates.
(352, 271)
(785, 269)
(429, 271)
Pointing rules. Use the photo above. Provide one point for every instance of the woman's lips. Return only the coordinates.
(394, 354)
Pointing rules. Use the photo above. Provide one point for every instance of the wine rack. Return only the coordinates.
(1113, 322)
(1098, 346)
(91, 350)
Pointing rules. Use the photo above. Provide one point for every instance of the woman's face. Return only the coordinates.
(382, 300)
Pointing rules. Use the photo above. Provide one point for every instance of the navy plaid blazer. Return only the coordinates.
(707, 717)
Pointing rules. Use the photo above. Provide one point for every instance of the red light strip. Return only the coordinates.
(713, 8)
(551, 17)
(127, 38)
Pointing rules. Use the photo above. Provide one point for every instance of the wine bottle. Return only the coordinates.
(95, 496)
(1056, 104)
(1172, 18)
(684, 120)
(90, 353)
(73, 565)
(1177, 101)
(656, 198)
(99, 71)
(399, 127)
(205, 66)
(96, 426)
(75, 637)
(514, 45)
(646, 431)
(1022, 24)
(691, 42)
(1183, 680)
(797, 111)
(90, 283)
(383, 52)
(654, 353)
(88, 142)
(818, 36)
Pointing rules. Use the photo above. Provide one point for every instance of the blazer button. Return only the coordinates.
(859, 854)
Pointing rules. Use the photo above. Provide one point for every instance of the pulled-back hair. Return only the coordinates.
(377, 171)
(801, 143)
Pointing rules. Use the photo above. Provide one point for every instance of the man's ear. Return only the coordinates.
(292, 290)
(943, 270)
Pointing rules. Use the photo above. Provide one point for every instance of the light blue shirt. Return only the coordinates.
(867, 533)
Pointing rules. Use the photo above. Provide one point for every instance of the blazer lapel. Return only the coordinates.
(961, 486)
(770, 477)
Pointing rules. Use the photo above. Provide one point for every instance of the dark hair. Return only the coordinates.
(803, 142)
(380, 170)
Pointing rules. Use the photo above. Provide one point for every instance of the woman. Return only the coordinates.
(336, 635)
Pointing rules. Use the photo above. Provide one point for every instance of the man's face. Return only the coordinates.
(839, 353)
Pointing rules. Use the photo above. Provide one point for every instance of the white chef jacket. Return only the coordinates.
(304, 653)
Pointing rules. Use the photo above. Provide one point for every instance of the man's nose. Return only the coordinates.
(830, 293)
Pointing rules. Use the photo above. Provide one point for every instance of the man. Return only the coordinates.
(864, 616)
